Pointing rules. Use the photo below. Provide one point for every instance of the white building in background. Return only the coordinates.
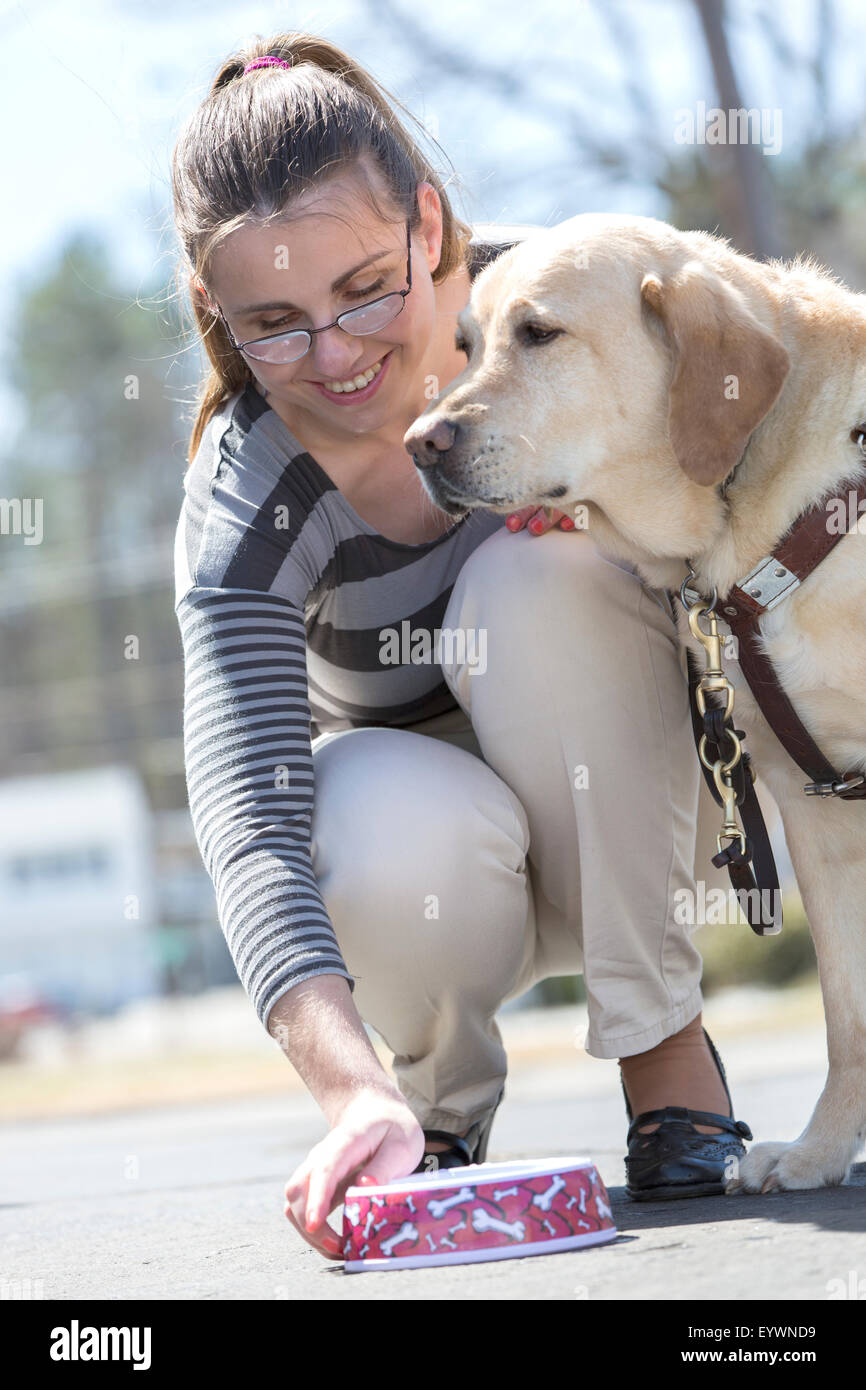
(77, 887)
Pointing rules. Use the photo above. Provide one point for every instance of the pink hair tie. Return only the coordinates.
(268, 62)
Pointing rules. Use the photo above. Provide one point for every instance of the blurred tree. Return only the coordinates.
(88, 638)
(739, 170)
(90, 366)
(611, 127)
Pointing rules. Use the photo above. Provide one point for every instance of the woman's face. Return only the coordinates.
(334, 254)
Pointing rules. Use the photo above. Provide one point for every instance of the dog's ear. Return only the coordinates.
(728, 369)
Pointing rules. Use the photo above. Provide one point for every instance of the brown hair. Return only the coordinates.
(260, 140)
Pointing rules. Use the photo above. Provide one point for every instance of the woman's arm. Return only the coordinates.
(249, 771)
(373, 1135)
(324, 1038)
(249, 774)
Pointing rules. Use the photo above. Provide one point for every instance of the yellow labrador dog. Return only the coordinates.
(620, 364)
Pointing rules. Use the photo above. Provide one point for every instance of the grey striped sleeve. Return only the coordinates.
(249, 772)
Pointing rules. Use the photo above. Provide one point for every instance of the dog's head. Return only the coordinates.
(613, 361)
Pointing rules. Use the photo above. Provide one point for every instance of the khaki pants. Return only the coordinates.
(541, 829)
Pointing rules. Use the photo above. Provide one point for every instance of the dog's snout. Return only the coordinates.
(427, 442)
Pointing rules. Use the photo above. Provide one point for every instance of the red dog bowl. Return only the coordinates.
(484, 1211)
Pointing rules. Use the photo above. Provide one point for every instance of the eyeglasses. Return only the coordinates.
(366, 318)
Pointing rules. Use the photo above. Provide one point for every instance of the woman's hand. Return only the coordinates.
(374, 1138)
(538, 520)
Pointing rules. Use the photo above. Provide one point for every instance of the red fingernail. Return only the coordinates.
(536, 527)
(513, 523)
(567, 524)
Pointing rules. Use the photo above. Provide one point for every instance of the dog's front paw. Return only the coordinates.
(785, 1168)
(751, 1172)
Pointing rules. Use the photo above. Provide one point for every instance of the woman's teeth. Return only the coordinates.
(355, 383)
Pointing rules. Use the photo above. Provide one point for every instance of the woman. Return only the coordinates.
(485, 816)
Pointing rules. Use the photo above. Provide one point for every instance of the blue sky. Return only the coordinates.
(93, 95)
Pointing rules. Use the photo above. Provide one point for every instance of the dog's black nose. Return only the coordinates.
(428, 440)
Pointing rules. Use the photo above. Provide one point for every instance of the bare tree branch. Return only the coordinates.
(506, 81)
(745, 193)
(626, 46)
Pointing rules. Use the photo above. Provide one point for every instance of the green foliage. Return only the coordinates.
(734, 955)
(91, 363)
(816, 197)
(96, 369)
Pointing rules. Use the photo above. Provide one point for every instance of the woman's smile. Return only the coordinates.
(359, 387)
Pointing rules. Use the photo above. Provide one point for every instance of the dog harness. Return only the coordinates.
(727, 769)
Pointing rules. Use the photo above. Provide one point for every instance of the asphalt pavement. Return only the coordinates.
(185, 1201)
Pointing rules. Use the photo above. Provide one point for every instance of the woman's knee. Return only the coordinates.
(419, 850)
(516, 583)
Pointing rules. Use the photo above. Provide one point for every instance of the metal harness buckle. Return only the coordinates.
(832, 788)
(769, 582)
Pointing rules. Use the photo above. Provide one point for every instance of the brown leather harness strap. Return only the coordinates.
(800, 550)
(757, 889)
(803, 548)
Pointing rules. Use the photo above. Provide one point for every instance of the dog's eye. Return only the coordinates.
(537, 333)
(461, 344)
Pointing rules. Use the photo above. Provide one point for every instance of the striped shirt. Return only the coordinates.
(282, 593)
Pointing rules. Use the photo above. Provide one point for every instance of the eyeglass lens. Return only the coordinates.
(368, 318)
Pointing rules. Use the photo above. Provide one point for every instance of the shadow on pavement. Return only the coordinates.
(828, 1208)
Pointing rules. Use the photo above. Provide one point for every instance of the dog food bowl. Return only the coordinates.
(484, 1211)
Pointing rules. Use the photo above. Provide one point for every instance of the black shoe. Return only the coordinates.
(675, 1160)
(462, 1149)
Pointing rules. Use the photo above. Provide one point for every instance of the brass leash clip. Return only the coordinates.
(714, 682)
